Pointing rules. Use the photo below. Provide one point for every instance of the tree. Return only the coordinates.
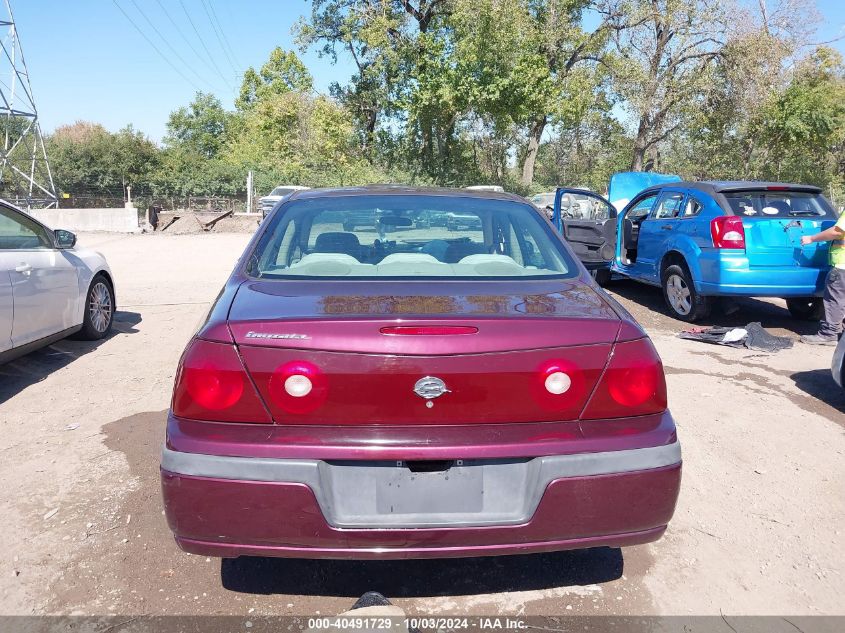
(366, 32)
(399, 47)
(804, 127)
(87, 158)
(283, 72)
(666, 52)
(200, 127)
(570, 54)
(722, 137)
(586, 154)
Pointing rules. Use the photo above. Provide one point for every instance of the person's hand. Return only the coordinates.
(806, 240)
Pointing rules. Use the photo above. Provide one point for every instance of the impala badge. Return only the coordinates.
(270, 335)
(430, 388)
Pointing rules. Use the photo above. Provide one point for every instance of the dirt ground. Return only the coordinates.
(758, 529)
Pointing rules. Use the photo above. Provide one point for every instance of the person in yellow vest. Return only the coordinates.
(834, 290)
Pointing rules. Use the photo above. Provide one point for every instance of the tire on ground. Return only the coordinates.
(92, 331)
(806, 308)
(676, 278)
(601, 276)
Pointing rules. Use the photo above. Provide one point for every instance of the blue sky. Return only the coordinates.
(87, 61)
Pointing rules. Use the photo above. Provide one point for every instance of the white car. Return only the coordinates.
(269, 201)
(48, 288)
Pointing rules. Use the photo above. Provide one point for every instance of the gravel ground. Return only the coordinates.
(758, 528)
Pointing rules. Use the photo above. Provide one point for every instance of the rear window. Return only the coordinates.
(408, 236)
(774, 204)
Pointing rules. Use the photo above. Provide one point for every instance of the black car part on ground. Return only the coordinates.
(753, 336)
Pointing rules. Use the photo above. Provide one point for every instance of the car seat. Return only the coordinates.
(458, 250)
(338, 242)
(436, 248)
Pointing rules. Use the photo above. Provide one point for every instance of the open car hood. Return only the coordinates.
(627, 184)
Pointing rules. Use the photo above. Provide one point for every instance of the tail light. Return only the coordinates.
(213, 385)
(560, 385)
(727, 232)
(428, 330)
(633, 383)
(298, 387)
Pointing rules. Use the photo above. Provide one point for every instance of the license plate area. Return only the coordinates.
(408, 489)
(384, 495)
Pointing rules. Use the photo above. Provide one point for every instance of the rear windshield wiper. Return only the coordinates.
(813, 213)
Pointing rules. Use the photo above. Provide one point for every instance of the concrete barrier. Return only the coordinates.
(112, 220)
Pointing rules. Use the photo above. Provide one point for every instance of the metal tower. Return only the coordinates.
(25, 177)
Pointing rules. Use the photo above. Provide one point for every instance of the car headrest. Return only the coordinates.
(458, 250)
(338, 242)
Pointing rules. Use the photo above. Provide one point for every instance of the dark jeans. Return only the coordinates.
(834, 303)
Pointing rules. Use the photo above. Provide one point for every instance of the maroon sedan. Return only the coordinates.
(410, 389)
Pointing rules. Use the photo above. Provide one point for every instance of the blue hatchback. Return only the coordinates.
(702, 240)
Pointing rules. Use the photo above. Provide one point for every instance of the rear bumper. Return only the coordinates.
(232, 506)
(730, 273)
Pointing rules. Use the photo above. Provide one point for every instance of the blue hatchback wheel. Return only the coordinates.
(681, 297)
(678, 293)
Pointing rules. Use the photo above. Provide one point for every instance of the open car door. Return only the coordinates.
(588, 222)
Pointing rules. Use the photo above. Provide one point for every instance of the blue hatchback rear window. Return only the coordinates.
(774, 204)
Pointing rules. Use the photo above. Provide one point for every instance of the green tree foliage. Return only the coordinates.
(200, 127)
(283, 72)
(803, 127)
(281, 131)
(666, 50)
(86, 158)
(524, 93)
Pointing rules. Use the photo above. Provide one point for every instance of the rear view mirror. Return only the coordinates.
(64, 239)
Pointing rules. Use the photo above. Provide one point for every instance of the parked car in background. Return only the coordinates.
(368, 218)
(700, 241)
(456, 221)
(837, 366)
(269, 201)
(351, 397)
(49, 289)
(544, 201)
(588, 220)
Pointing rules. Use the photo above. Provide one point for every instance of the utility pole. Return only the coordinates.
(25, 176)
(249, 192)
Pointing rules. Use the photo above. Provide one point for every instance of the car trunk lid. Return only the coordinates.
(481, 343)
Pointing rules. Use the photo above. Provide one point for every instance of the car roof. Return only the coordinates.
(405, 190)
(713, 187)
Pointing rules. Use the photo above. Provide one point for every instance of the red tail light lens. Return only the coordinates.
(727, 232)
(633, 383)
(213, 385)
(298, 387)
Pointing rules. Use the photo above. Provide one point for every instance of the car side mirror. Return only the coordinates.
(64, 239)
